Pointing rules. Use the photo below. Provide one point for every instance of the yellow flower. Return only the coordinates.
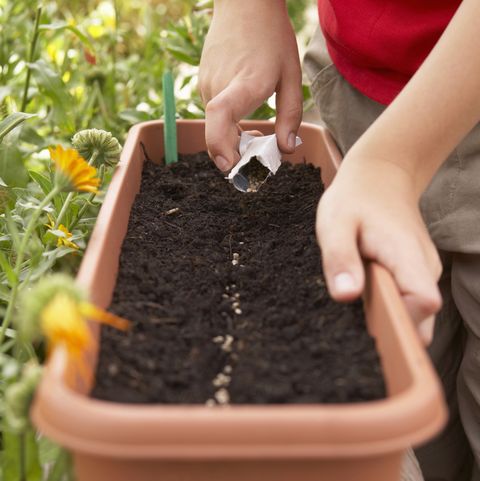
(63, 321)
(64, 238)
(73, 171)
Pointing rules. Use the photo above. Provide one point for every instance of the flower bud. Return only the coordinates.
(103, 143)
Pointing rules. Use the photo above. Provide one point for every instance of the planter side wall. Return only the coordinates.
(384, 468)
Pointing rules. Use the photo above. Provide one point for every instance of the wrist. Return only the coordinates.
(257, 7)
(386, 173)
(388, 163)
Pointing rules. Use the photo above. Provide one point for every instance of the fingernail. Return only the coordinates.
(291, 140)
(222, 163)
(344, 283)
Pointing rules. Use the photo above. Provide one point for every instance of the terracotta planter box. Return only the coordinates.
(362, 442)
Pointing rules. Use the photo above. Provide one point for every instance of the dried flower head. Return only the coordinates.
(99, 143)
(72, 171)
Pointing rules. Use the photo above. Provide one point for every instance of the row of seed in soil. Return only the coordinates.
(227, 298)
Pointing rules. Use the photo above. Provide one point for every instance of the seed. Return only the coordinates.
(227, 345)
(172, 211)
(113, 369)
(222, 396)
(218, 339)
(237, 311)
(227, 369)
(221, 380)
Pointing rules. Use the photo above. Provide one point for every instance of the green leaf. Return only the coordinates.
(31, 136)
(5, 91)
(49, 451)
(52, 85)
(183, 56)
(12, 229)
(12, 170)
(65, 26)
(12, 121)
(7, 268)
(42, 180)
(62, 468)
(263, 112)
(20, 457)
(133, 116)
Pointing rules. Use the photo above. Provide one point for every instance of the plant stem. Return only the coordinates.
(71, 195)
(87, 202)
(31, 56)
(18, 263)
(64, 209)
(22, 457)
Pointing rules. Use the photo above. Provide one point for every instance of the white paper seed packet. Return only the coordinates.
(260, 158)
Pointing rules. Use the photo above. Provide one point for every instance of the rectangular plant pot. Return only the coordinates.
(121, 442)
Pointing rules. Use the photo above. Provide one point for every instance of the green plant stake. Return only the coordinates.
(170, 127)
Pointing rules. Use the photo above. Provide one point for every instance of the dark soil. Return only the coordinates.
(228, 300)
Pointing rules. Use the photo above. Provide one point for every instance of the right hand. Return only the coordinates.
(250, 52)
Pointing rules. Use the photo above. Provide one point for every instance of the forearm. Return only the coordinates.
(437, 108)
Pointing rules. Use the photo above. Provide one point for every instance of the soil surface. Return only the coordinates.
(228, 300)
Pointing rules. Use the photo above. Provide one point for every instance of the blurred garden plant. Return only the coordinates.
(74, 76)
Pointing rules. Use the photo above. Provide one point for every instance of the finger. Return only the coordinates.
(426, 330)
(342, 264)
(433, 258)
(204, 86)
(289, 103)
(417, 282)
(254, 133)
(222, 114)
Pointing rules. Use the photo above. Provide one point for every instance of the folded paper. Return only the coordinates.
(260, 158)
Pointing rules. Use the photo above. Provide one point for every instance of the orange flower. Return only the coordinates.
(63, 321)
(72, 171)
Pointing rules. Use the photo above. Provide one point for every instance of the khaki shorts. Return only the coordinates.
(451, 210)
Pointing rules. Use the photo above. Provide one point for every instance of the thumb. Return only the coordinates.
(289, 103)
(342, 264)
(222, 114)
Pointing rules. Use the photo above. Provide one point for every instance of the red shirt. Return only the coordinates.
(377, 45)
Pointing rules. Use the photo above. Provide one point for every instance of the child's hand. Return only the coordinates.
(371, 211)
(250, 52)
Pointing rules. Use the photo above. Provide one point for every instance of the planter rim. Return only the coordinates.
(173, 431)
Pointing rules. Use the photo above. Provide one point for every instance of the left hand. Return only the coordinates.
(371, 211)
